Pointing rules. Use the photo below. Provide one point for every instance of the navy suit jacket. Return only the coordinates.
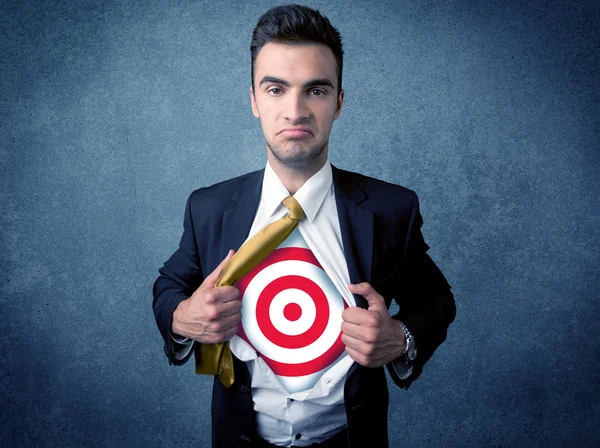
(380, 225)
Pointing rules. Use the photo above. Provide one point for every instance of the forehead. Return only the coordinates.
(296, 63)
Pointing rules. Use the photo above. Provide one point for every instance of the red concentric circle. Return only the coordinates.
(292, 311)
(292, 282)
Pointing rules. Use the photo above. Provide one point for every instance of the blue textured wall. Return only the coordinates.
(112, 114)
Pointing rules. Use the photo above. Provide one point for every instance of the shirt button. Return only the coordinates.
(298, 436)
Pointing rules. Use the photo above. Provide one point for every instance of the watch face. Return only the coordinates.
(411, 353)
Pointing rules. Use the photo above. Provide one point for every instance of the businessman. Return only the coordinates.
(355, 235)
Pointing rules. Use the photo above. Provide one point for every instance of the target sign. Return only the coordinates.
(292, 313)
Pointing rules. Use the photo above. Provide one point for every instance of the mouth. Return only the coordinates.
(297, 133)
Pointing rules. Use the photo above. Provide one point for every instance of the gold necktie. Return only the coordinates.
(216, 359)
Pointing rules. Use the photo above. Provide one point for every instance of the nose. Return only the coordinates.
(296, 109)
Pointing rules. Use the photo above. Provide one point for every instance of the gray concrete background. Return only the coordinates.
(111, 113)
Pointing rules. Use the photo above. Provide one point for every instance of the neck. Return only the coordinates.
(294, 177)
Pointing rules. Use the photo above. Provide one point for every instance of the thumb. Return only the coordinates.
(374, 299)
(214, 275)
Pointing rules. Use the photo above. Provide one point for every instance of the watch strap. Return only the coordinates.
(409, 345)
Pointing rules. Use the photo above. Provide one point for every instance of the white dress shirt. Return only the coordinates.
(301, 418)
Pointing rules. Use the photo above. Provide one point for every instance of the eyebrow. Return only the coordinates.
(283, 82)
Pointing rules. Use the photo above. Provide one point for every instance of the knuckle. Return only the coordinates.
(210, 297)
(211, 313)
(215, 328)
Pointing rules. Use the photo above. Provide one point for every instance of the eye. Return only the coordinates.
(318, 92)
(275, 91)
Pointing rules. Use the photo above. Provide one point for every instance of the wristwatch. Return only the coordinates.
(410, 350)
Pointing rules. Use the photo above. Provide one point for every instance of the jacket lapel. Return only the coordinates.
(356, 225)
(237, 221)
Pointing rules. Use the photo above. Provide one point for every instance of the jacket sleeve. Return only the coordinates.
(179, 277)
(426, 303)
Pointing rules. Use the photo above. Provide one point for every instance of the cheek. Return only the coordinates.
(325, 124)
(326, 118)
(266, 123)
(267, 120)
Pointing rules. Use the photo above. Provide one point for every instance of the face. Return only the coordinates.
(296, 101)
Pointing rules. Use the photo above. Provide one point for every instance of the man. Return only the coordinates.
(364, 234)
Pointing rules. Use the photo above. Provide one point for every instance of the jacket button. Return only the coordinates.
(245, 438)
(244, 389)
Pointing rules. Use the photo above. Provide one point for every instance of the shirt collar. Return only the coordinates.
(310, 196)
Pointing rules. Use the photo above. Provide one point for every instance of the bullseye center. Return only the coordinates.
(292, 311)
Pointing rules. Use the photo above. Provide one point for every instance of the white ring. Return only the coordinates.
(307, 307)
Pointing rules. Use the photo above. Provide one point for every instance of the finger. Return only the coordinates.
(367, 360)
(374, 299)
(352, 330)
(211, 279)
(229, 308)
(356, 356)
(226, 324)
(356, 315)
(231, 332)
(364, 333)
(227, 293)
(353, 343)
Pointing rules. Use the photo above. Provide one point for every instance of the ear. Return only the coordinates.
(253, 102)
(340, 101)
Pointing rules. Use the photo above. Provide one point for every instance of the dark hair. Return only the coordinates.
(296, 25)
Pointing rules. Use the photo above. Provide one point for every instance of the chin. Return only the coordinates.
(297, 160)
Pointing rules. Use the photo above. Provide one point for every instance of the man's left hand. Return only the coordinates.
(371, 336)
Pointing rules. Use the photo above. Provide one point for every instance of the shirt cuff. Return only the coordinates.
(180, 346)
(179, 339)
(402, 369)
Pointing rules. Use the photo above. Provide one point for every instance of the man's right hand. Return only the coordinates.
(211, 315)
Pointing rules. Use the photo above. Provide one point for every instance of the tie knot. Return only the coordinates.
(294, 207)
